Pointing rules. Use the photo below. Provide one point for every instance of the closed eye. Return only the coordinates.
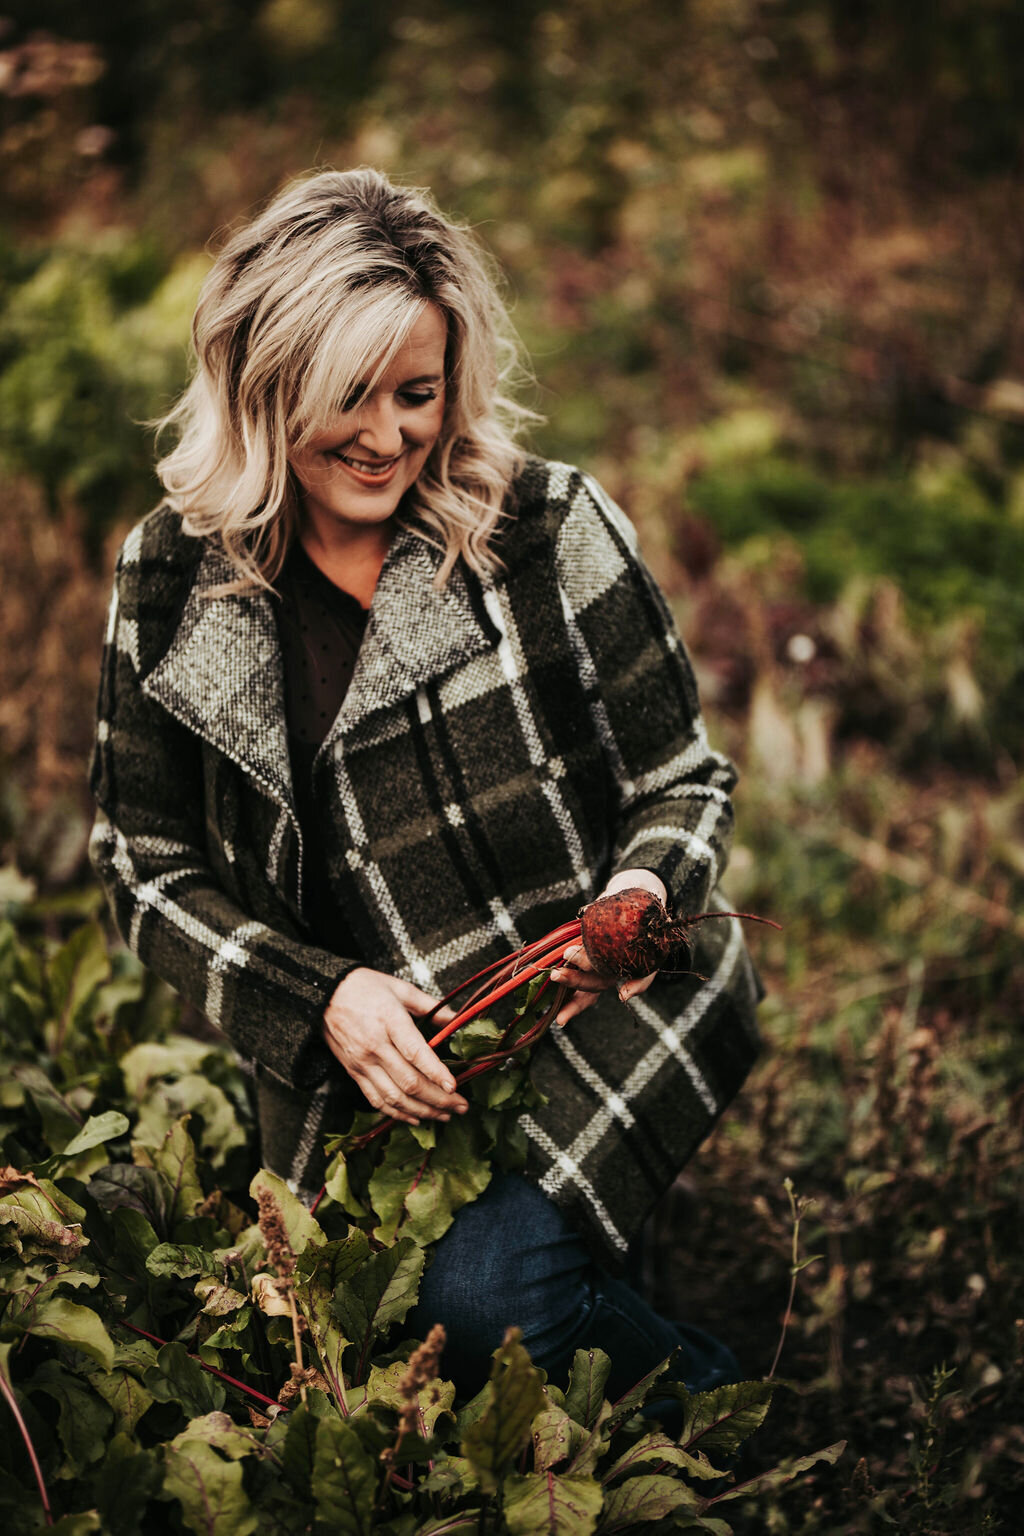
(415, 397)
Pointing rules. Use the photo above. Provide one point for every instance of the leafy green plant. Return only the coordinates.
(92, 343)
(943, 645)
(178, 1353)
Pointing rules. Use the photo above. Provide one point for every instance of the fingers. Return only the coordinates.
(418, 1002)
(368, 1028)
(631, 989)
(586, 995)
(577, 972)
(646, 879)
(407, 1076)
(578, 1003)
(384, 1091)
(419, 1056)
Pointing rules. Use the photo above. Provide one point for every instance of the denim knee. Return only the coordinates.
(508, 1260)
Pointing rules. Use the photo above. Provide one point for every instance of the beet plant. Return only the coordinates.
(183, 1349)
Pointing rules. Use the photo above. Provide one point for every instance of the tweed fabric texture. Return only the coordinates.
(504, 746)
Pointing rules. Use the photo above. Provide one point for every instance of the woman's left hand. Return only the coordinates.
(576, 970)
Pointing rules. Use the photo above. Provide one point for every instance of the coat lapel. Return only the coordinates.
(415, 634)
(222, 675)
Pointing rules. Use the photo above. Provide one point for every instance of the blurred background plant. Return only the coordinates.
(766, 257)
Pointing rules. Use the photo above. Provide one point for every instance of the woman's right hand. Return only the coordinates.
(368, 1027)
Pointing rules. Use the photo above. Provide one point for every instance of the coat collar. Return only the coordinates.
(222, 674)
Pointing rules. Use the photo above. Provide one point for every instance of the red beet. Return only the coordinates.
(631, 933)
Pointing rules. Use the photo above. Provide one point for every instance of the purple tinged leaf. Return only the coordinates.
(587, 1381)
(659, 1449)
(535, 1503)
(319, 1271)
(632, 1401)
(209, 1489)
(65, 1322)
(175, 1162)
(344, 1479)
(40, 1220)
(778, 1476)
(449, 1525)
(644, 1500)
(555, 1437)
(593, 1446)
(720, 1420)
(376, 1295)
(124, 1185)
(516, 1397)
(122, 1391)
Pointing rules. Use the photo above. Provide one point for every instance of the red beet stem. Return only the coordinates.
(475, 1068)
(508, 984)
(232, 1381)
(563, 935)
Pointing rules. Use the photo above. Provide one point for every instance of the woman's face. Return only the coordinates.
(356, 472)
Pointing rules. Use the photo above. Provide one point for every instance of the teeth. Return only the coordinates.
(368, 469)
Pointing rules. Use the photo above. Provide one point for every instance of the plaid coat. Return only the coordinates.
(505, 744)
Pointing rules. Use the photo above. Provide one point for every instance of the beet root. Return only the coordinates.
(630, 933)
(625, 934)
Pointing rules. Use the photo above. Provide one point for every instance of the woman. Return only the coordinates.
(382, 699)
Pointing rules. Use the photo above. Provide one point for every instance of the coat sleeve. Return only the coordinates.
(674, 811)
(265, 989)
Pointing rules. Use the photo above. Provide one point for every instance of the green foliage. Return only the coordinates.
(952, 547)
(514, 1399)
(92, 344)
(413, 1184)
(954, 553)
(132, 1353)
(765, 262)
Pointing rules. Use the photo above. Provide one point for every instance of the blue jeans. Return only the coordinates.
(511, 1257)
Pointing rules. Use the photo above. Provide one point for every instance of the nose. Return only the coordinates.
(380, 431)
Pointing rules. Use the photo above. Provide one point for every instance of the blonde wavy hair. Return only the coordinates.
(311, 299)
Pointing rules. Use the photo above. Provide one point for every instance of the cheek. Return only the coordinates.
(430, 430)
(303, 469)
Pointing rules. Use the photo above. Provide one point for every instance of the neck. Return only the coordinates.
(350, 557)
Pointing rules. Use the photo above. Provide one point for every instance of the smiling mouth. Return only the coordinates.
(369, 471)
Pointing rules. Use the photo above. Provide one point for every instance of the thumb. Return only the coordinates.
(631, 989)
(418, 1052)
(414, 998)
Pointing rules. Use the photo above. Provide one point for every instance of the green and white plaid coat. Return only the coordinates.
(504, 746)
